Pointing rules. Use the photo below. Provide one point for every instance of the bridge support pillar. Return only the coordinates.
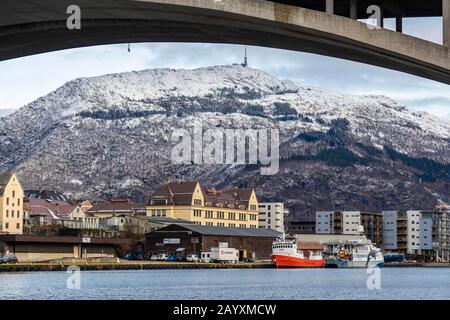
(330, 6)
(446, 22)
(354, 9)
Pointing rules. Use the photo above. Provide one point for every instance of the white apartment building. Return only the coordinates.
(389, 230)
(271, 216)
(408, 232)
(324, 222)
(338, 222)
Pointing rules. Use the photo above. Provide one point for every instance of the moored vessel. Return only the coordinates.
(354, 254)
(286, 255)
(394, 257)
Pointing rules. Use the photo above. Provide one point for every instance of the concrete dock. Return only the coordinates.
(128, 265)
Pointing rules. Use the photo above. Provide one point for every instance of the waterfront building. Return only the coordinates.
(440, 232)
(43, 248)
(88, 221)
(41, 213)
(234, 208)
(349, 222)
(127, 223)
(271, 216)
(338, 222)
(11, 204)
(373, 227)
(300, 227)
(117, 207)
(184, 239)
(407, 232)
(286, 218)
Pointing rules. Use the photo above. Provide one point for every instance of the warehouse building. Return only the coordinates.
(41, 248)
(184, 239)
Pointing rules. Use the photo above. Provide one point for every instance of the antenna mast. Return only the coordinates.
(245, 64)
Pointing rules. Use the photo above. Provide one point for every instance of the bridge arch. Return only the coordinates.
(38, 26)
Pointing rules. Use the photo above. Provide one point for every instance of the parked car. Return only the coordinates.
(133, 257)
(192, 258)
(154, 257)
(172, 258)
(162, 257)
(9, 259)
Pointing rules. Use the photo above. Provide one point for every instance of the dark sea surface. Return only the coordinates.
(260, 284)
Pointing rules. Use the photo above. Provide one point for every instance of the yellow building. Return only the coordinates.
(236, 208)
(11, 204)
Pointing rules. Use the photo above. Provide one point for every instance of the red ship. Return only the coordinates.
(285, 255)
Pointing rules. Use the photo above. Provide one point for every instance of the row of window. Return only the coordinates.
(158, 212)
(13, 215)
(7, 225)
(222, 224)
(8, 202)
(209, 214)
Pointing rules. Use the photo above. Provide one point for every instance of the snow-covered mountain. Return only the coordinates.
(6, 112)
(110, 136)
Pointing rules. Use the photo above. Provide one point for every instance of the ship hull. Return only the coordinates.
(283, 261)
(338, 263)
(394, 258)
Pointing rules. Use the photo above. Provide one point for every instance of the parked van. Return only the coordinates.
(205, 257)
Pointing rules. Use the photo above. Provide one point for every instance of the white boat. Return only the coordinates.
(354, 254)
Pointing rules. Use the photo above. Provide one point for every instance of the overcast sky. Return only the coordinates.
(25, 79)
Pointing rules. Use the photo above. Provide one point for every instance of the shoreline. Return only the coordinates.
(99, 266)
(104, 266)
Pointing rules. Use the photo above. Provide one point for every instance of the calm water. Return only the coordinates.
(404, 283)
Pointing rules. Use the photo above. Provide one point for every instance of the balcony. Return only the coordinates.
(401, 216)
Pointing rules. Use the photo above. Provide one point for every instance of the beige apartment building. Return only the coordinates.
(234, 208)
(11, 204)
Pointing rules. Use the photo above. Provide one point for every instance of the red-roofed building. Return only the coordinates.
(41, 212)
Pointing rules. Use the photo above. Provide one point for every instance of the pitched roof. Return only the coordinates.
(50, 209)
(118, 206)
(46, 195)
(4, 179)
(167, 220)
(177, 193)
(225, 231)
(241, 194)
(180, 193)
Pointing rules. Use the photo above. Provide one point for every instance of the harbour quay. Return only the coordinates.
(98, 265)
(176, 239)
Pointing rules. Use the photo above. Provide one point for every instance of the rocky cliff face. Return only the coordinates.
(111, 136)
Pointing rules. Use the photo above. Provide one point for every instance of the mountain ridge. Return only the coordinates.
(109, 136)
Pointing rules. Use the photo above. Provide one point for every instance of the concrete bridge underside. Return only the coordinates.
(35, 26)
